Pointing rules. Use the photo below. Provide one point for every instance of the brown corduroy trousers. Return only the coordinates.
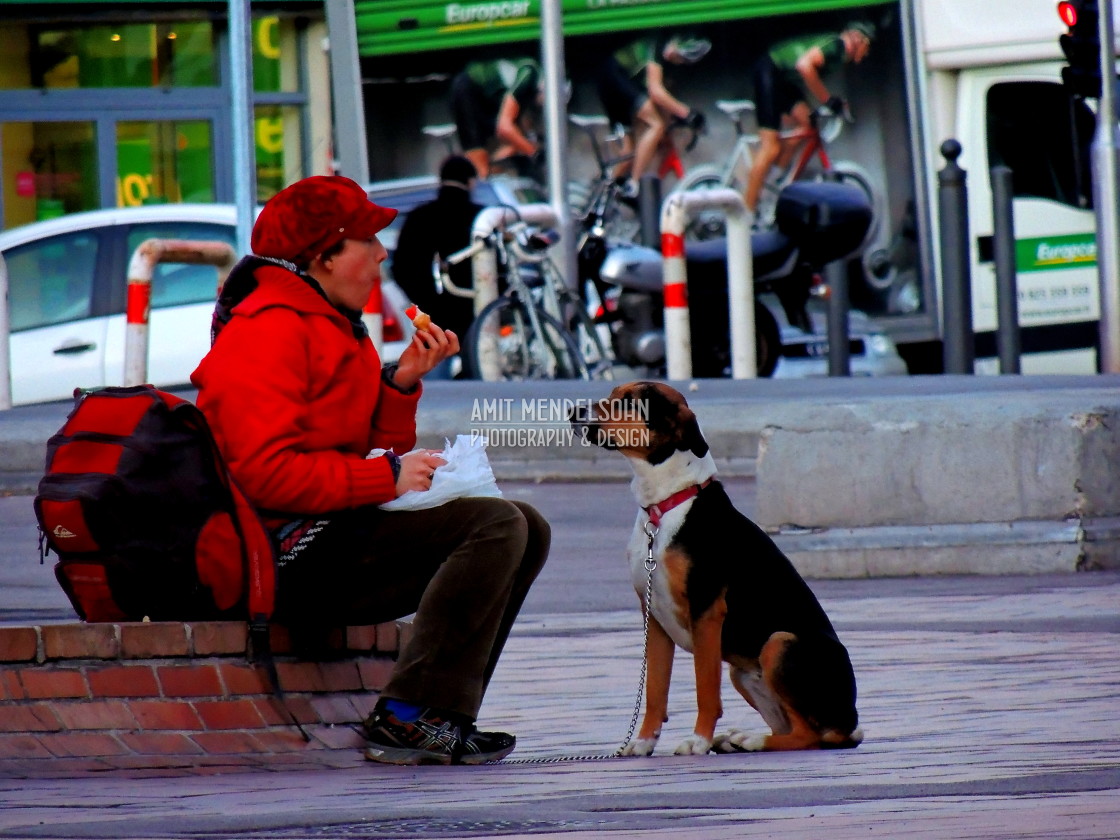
(463, 568)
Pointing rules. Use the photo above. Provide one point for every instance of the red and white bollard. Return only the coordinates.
(138, 306)
(374, 319)
(675, 213)
(5, 331)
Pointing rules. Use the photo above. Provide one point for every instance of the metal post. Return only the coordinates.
(956, 281)
(374, 319)
(244, 149)
(556, 132)
(1007, 287)
(649, 210)
(1105, 167)
(836, 276)
(350, 149)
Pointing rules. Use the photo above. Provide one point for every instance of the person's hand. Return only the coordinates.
(696, 120)
(417, 469)
(426, 350)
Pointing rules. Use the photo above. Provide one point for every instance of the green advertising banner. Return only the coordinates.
(1046, 253)
(386, 27)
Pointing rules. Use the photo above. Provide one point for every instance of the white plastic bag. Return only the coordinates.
(466, 473)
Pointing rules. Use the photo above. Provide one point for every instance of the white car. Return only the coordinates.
(67, 282)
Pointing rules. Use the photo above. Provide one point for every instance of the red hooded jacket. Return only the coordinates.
(296, 401)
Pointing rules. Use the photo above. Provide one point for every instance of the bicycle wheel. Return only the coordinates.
(706, 224)
(596, 353)
(502, 344)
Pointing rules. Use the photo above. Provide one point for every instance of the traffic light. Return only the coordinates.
(1081, 44)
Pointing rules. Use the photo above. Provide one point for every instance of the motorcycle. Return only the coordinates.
(816, 223)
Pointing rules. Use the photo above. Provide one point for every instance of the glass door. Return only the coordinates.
(168, 161)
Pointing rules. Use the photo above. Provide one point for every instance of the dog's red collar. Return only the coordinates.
(656, 511)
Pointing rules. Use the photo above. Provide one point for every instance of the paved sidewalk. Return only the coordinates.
(990, 711)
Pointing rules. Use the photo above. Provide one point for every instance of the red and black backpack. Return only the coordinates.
(145, 519)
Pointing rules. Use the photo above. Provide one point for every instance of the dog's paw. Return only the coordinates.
(639, 746)
(738, 740)
(693, 745)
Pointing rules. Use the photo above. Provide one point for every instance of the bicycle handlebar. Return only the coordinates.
(449, 286)
(440, 268)
(528, 245)
(466, 253)
(829, 123)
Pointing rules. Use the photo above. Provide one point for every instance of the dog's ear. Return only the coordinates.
(691, 436)
(673, 424)
(661, 420)
(661, 413)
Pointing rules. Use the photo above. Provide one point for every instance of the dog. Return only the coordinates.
(720, 588)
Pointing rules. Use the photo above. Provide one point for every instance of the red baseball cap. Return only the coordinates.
(305, 219)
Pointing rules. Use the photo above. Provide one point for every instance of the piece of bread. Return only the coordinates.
(420, 319)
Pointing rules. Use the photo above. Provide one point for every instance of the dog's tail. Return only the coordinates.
(836, 740)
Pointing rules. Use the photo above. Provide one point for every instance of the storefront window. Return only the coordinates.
(164, 162)
(49, 169)
(158, 89)
(279, 154)
(139, 55)
(275, 69)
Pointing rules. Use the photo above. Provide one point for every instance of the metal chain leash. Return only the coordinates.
(650, 564)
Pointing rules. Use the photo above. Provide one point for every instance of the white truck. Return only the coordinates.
(986, 73)
(989, 75)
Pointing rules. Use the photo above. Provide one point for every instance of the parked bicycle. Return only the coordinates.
(597, 205)
(538, 328)
(824, 127)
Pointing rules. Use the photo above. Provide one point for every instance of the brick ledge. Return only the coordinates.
(175, 697)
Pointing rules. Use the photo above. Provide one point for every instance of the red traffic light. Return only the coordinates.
(1068, 13)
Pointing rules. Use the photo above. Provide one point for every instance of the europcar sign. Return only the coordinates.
(395, 26)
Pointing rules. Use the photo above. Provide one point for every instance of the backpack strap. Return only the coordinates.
(257, 551)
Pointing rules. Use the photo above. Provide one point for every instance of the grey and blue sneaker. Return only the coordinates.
(433, 738)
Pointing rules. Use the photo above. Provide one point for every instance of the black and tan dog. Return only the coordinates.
(721, 589)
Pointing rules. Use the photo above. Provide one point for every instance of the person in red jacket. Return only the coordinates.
(298, 398)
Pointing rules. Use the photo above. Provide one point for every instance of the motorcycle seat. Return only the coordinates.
(772, 253)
